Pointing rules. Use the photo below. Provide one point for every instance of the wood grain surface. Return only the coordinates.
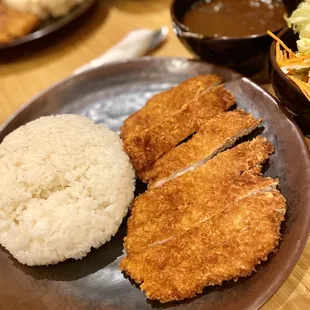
(25, 72)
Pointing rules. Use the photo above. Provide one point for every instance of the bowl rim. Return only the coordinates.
(274, 64)
(186, 32)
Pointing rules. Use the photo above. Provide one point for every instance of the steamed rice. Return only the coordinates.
(65, 186)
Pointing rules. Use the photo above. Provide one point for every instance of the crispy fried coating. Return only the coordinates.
(145, 147)
(216, 200)
(191, 186)
(222, 248)
(216, 230)
(167, 102)
(216, 135)
(229, 261)
(15, 24)
(197, 228)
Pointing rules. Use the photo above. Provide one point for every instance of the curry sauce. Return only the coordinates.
(235, 18)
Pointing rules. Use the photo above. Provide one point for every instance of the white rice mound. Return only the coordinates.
(65, 186)
(44, 8)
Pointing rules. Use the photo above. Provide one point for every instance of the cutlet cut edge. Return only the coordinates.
(229, 143)
(281, 213)
(268, 188)
(259, 186)
(253, 166)
(140, 147)
(268, 147)
(215, 80)
(245, 273)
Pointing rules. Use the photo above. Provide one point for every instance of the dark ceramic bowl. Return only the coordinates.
(289, 94)
(247, 55)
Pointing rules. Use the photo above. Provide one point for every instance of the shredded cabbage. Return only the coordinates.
(299, 21)
(303, 46)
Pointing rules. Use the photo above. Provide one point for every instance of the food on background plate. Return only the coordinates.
(65, 187)
(214, 222)
(235, 18)
(44, 9)
(15, 24)
(21, 17)
(296, 64)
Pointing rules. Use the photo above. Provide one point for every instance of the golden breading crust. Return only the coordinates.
(216, 200)
(217, 134)
(223, 248)
(192, 185)
(145, 147)
(167, 102)
(15, 24)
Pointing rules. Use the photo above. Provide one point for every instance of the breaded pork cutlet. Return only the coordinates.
(236, 258)
(216, 135)
(167, 102)
(145, 147)
(223, 248)
(225, 166)
(196, 184)
(15, 24)
(217, 201)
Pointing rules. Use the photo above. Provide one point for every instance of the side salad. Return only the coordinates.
(296, 65)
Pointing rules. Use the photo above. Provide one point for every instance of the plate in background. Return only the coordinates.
(51, 25)
(108, 95)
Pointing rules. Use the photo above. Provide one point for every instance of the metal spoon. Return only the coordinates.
(136, 44)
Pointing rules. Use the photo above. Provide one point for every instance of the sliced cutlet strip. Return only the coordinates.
(195, 211)
(214, 201)
(226, 247)
(193, 185)
(217, 230)
(230, 261)
(145, 147)
(167, 102)
(218, 134)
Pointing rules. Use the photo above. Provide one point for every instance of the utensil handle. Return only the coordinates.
(186, 34)
(135, 44)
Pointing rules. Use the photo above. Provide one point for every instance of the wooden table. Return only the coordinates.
(24, 77)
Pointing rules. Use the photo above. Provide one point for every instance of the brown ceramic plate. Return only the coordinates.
(51, 25)
(108, 95)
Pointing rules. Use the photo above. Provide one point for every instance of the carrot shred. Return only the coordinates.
(297, 60)
(304, 87)
(278, 53)
(286, 58)
(290, 52)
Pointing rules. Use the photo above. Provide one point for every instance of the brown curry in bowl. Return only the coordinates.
(235, 18)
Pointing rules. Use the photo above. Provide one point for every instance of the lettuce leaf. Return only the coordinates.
(303, 46)
(299, 21)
